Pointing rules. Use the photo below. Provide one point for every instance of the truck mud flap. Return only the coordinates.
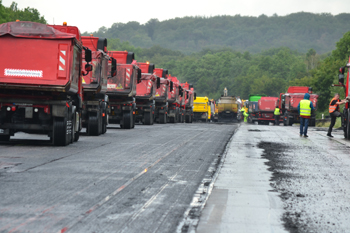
(59, 110)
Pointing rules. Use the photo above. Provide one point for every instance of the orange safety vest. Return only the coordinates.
(332, 108)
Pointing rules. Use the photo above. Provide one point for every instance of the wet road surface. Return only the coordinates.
(140, 180)
(273, 180)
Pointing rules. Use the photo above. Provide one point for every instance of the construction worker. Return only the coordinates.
(334, 112)
(277, 114)
(305, 107)
(245, 114)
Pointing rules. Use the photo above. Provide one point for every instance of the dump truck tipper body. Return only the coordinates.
(161, 97)
(189, 99)
(174, 100)
(145, 94)
(289, 104)
(201, 109)
(40, 84)
(95, 101)
(266, 108)
(253, 108)
(121, 89)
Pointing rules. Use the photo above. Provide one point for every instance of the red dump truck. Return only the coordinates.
(289, 104)
(189, 95)
(145, 94)
(95, 101)
(182, 108)
(121, 89)
(174, 100)
(161, 97)
(40, 80)
(266, 108)
(346, 111)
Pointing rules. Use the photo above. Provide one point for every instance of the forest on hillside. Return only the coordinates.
(12, 13)
(270, 72)
(299, 31)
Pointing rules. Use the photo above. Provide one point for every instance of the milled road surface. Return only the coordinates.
(139, 180)
(273, 180)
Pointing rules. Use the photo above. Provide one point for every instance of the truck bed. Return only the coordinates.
(36, 63)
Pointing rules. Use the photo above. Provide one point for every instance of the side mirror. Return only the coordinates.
(171, 86)
(138, 75)
(341, 78)
(88, 67)
(88, 56)
(158, 82)
(114, 67)
(195, 96)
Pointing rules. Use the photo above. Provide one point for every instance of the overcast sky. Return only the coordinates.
(90, 15)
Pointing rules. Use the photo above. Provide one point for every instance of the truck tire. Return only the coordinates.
(177, 114)
(162, 118)
(172, 119)
(133, 121)
(312, 123)
(187, 119)
(4, 138)
(347, 123)
(104, 118)
(60, 128)
(127, 120)
(148, 116)
(73, 117)
(93, 125)
(77, 133)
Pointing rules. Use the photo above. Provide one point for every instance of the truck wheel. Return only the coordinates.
(93, 125)
(172, 119)
(148, 116)
(133, 121)
(103, 107)
(4, 138)
(60, 131)
(187, 119)
(347, 123)
(104, 124)
(312, 123)
(73, 117)
(127, 120)
(162, 118)
(290, 122)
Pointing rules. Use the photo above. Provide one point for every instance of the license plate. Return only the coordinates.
(4, 131)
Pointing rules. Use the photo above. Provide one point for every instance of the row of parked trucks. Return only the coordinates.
(261, 108)
(54, 81)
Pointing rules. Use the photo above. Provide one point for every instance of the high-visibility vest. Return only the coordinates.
(305, 109)
(277, 112)
(332, 108)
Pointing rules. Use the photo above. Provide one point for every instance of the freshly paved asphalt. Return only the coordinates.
(139, 180)
(171, 178)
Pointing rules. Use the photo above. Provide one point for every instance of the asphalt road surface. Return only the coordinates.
(139, 180)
